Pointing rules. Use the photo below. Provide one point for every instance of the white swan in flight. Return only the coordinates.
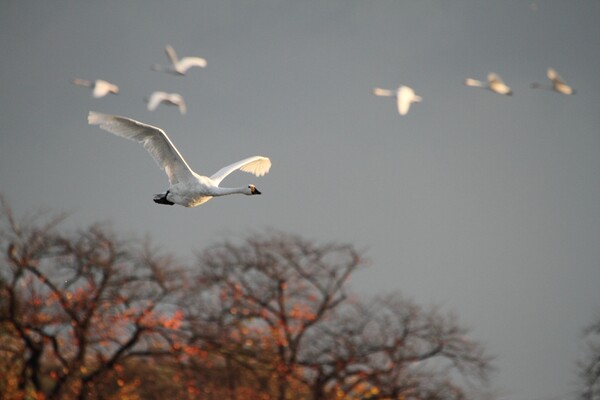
(179, 66)
(174, 99)
(404, 97)
(494, 83)
(187, 188)
(558, 84)
(101, 87)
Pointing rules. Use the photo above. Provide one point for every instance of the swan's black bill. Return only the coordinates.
(255, 191)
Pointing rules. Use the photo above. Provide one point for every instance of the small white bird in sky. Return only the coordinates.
(179, 66)
(494, 83)
(174, 99)
(101, 87)
(187, 188)
(558, 84)
(404, 97)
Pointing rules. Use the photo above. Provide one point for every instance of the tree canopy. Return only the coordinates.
(89, 315)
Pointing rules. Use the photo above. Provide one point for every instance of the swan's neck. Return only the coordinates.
(222, 191)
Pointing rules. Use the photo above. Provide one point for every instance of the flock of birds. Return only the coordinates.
(186, 187)
(405, 95)
(189, 189)
(178, 66)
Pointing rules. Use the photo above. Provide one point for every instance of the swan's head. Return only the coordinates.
(252, 190)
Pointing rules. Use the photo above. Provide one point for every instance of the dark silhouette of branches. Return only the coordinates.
(392, 348)
(589, 366)
(284, 301)
(89, 315)
(75, 308)
(273, 289)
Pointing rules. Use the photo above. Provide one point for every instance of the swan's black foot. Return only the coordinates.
(162, 199)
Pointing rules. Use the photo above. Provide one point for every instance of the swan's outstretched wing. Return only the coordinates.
(383, 92)
(474, 83)
(405, 96)
(171, 54)
(82, 82)
(257, 165)
(553, 75)
(155, 140)
(494, 78)
(155, 99)
(102, 88)
(180, 103)
(188, 62)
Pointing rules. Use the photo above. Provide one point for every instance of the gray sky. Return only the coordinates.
(488, 205)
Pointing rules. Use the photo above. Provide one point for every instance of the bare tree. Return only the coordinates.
(589, 367)
(91, 316)
(393, 348)
(272, 290)
(75, 310)
(281, 301)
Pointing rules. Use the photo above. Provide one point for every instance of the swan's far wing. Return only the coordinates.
(405, 95)
(155, 99)
(181, 105)
(102, 88)
(554, 76)
(256, 165)
(154, 139)
(171, 54)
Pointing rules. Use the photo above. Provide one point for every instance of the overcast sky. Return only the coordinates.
(485, 204)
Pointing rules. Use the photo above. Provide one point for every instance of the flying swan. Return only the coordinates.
(101, 87)
(558, 84)
(179, 66)
(404, 97)
(174, 99)
(187, 188)
(494, 83)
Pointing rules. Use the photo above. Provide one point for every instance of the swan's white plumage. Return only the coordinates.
(154, 139)
(405, 96)
(558, 84)
(187, 188)
(474, 83)
(383, 92)
(180, 66)
(158, 97)
(256, 165)
(100, 87)
(494, 83)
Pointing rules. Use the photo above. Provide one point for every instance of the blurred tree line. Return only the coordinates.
(92, 316)
(588, 367)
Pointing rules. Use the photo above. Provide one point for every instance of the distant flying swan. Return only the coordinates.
(404, 97)
(558, 84)
(174, 99)
(187, 188)
(101, 88)
(494, 83)
(179, 66)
